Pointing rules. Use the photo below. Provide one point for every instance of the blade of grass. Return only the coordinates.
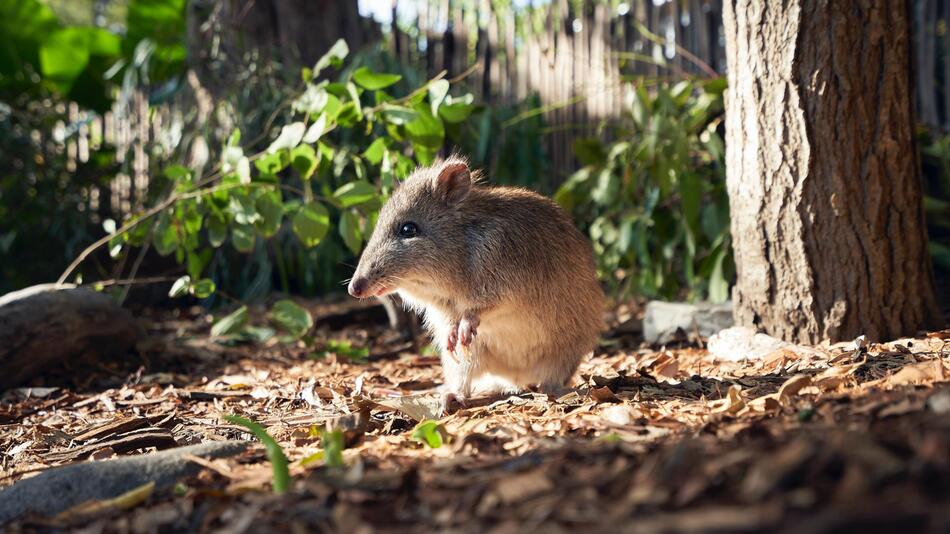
(278, 460)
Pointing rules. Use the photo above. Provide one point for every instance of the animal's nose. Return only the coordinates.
(358, 287)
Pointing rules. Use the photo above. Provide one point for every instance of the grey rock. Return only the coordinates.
(60, 488)
(662, 319)
(744, 343)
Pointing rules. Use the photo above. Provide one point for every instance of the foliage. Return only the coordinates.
(327, 171)
(430, 433)
(343, 348)
(654, 201)
(278, 460)
(935, 152)
(333, 443)
(507, 140)
(51, 61)
(77, 62)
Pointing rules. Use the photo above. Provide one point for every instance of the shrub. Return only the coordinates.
(654, 201)
(329, 169)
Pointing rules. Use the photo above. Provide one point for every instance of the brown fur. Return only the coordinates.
(506, 257)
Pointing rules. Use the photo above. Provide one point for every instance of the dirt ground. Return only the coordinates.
(823, 439)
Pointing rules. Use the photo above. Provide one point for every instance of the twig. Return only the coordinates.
(137, 263)
(154, 211)
(679, 49)
(130, 281)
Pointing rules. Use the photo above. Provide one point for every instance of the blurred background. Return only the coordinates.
(110, 107)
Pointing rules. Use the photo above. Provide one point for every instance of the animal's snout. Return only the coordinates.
(358, 287)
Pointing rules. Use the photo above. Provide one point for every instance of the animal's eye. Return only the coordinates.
(408, 229)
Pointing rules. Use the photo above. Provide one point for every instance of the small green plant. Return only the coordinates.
(431, 433)
(654, 201)
(278, 460)
(333, 443)
(292, 318)
(345, 349)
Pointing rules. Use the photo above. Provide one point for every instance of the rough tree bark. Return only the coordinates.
(822, 170)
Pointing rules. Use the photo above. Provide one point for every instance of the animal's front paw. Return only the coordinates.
(467, 330)
(451, 401)
(452, 340)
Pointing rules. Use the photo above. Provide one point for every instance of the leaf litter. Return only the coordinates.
(835, 437)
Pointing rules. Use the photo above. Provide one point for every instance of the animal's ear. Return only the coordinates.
(453, 183)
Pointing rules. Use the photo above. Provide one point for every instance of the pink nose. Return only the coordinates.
(358, 287)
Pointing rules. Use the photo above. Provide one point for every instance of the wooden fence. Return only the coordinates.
(577, 57)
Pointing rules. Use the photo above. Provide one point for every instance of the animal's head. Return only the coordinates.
(418, 236)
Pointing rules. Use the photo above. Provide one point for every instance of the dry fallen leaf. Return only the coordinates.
(918, 373)
(733, 402)
(603, 395)
(792, 386)
(122, 502)
(416, 407)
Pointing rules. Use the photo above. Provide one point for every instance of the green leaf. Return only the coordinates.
(271, 210)
(640, 104)
(343, 348)
(607, 188)
(355, 193)
(355, 100)
(180, 287)
(590, 151)
(64, 55)
(286, 314)
(272, 164)
(178, 173)
(197, 261)
(718, 284)
(456, 110)
(243, 209)
(233, 160)
(316, 130)
(161, 23)
(217, 229)
(425, 130)
(350, 231)
(374, 80)
(203, 288)
(430, 432)
(311, 223)
(313, 100)
(243, 237)
(278, 460)
(304, 160)
(398, 115)
(437, 92)
(333, 444)
(165, 238)
(374, 153)
(230, 324)
(334, 56)
(290, 136)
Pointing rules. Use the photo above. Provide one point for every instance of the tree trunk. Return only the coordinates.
(293, 32)
(822, 171)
